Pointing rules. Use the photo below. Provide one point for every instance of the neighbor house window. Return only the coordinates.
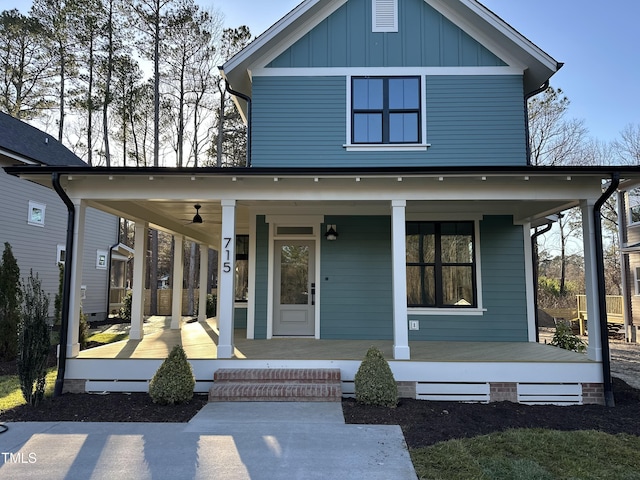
(61, 254)
(242, 267)
(36, 213)
(441, 264)
(637, 280)
(633, 197)
(385, 110)
(101, 259)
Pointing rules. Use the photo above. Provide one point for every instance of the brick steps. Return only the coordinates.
(276, 385)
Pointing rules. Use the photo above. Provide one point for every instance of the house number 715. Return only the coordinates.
(226, 266)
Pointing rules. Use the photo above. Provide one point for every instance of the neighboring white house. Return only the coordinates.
(33, 219)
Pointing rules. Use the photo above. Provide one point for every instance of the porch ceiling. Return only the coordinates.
(166, 197)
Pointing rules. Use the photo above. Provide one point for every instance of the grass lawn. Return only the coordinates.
(532, 454)
(10, 394)
(107, 337)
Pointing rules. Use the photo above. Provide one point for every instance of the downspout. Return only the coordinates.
(602, 295)
(247, 99)
(66, 289)
(544, 86)
(534, 250)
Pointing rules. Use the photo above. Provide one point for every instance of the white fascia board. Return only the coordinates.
(18, 157)
(379, 71)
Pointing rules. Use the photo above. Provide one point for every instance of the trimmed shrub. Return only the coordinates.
(83, 333)
(10, 299)
(212, 302)
(374, 381)
(173, 382)
(33, 341)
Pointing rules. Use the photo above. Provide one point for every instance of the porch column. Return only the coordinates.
(594, 350)
(137, 293)
(178, 275)
(202, 290)
(226, 279)
(399, 258)
(76, 266)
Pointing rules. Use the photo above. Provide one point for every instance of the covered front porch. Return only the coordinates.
(466, 371)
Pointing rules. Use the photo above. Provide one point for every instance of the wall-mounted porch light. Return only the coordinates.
(331, 234)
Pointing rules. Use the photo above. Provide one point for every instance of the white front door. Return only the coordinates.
(294, 288)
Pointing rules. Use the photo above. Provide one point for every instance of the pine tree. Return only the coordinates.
(10, 299)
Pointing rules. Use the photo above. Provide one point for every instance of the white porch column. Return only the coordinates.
(138, 280)
(204, 271)
(399, 258)
(226, 279)
(529, 282)
(75, 294)
(594, 351)
(178, 275)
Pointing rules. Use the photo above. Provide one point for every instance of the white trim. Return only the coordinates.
(294, 221)
(386, 147)
(446, 311)
(251, 292)
(384, 71)
(529, 282)
(359, 147)
(443, 217)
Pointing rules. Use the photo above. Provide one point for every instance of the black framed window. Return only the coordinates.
(385, 110)
(441, 264)
(242, 267)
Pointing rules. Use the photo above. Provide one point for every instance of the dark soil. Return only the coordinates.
(423, 422)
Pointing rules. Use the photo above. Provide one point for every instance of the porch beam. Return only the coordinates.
(226, 282)
(178, 275)
(594, 350)
(202, 289)
(399, 257)
(139, 266)
(76, 266)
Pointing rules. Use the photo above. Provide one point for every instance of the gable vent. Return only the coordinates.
(385, 15)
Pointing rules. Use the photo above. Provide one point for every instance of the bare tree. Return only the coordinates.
(627, 146)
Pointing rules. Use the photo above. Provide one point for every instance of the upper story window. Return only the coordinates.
(386, 110)
(441, 264)
(633, 197)
(36, 213)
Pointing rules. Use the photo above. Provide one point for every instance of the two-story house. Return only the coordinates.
(387, 200)
(33, 218)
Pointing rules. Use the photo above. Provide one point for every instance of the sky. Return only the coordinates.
(597, 42)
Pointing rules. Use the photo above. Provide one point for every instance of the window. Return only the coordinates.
(101, 259)
(61, 254)
(637, 280)
(634, 205)
(242, 267)
(385, 110)
(441, 264)
(36, 213)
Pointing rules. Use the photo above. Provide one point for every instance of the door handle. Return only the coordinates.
(313, 294)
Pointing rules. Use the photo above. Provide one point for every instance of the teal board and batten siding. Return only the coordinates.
(424, 38)
(503, 291)
(262, 277)
(355, 279)
(471, 121)
(240, 317)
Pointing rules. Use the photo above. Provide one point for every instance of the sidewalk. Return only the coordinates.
(241, 440)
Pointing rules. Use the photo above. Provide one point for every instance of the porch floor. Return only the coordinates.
(200, 339)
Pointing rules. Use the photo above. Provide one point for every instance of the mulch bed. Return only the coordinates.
(423, 422)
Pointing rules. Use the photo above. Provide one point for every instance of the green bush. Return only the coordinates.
(173, 382)
(374, 381)
(10, 299)
(57, 300)
(565, 338)
(83, 333)
(33, 341)
(125, 310)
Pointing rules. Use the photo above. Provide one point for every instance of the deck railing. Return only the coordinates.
(615, 310)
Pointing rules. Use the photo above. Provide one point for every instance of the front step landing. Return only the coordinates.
(276, 385)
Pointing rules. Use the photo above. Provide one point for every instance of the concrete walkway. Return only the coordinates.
(227, 441)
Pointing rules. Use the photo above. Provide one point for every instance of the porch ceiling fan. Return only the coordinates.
(196, 218)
